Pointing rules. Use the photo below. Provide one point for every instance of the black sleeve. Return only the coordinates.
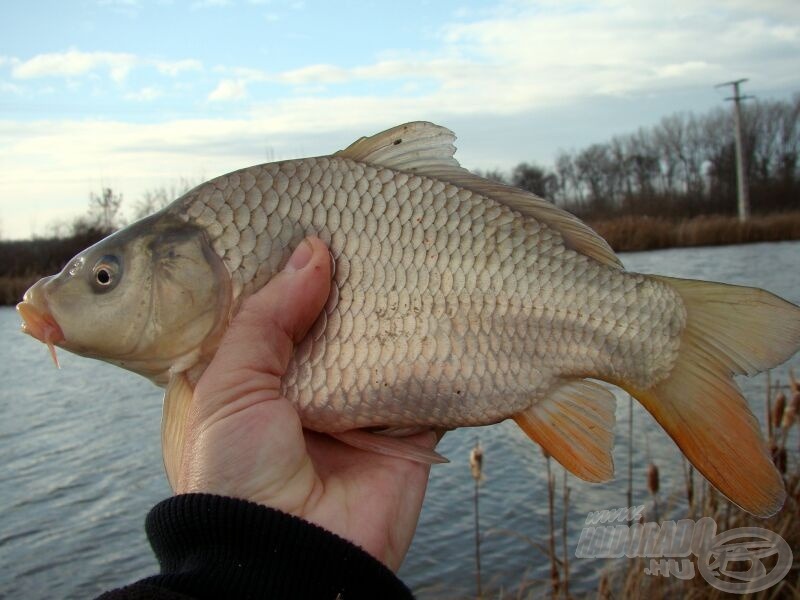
(216, 547)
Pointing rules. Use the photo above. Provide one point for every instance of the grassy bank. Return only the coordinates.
(12, 288)
(628, 234)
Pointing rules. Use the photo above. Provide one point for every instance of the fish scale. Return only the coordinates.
(455, 301)
(451, 302)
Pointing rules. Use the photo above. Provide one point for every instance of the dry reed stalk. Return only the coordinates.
(551, 484)
(565, 564)
(476, 467)
(688, 477)
(633, 583)
(604, 588)
(769, 405)
(790, 415)
(630, 451)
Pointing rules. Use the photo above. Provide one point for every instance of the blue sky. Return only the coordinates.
(137, 94)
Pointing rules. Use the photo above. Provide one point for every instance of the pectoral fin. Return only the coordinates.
(177, 400)
(575, 425)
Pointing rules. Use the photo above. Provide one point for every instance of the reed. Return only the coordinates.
(555, 578)
(629, 581)
(476, 467)
(634, 233)
(626, 578)
(564, 516)
(13, 288)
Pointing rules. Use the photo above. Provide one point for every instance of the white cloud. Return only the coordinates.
(526, 56)
(145, 94)
(316, 74)
(176, 67)
(74, 63)
(228, 89)
(10, 88)
(684, 69)
(512, 61)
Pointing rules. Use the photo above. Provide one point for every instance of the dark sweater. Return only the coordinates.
(216, 547)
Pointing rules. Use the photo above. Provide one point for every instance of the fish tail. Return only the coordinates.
(730, 330)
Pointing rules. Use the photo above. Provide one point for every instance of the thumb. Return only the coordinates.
(262, 335)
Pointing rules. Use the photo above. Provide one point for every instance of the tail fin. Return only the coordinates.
(730, 330)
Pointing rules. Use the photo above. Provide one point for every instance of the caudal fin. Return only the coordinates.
(730, 330)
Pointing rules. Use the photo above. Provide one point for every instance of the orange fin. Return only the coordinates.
(177, 400)
(575, 425)
(729, 329)
(389, 446)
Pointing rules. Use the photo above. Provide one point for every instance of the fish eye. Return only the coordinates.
(106, 273)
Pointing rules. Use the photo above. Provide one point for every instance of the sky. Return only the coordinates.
(137, 94)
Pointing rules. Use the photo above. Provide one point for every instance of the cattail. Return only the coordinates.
(476, 467)
(476, 462)
(652, 478)
(780, 460)
(778, 409)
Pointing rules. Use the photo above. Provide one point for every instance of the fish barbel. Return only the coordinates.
(456, 301)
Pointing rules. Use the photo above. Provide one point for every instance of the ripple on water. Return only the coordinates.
(82, 466)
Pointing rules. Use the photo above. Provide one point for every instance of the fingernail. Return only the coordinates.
(300, 257)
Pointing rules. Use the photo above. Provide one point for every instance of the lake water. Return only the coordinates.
(81, 465)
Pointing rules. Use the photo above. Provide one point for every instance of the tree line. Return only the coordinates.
(682, 167)
(27, 259)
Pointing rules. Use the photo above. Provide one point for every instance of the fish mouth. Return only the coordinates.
(38, 322)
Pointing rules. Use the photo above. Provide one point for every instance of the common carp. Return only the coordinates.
(456, 301)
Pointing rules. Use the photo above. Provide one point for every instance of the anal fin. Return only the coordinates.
(575, 425)
(177, 400)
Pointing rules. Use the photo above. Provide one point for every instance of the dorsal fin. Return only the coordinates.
(427, 149)
(416, 146)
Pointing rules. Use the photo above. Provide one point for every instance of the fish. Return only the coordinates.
(455, 301)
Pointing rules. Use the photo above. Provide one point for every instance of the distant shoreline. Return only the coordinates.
(635, 234)
(624, 234)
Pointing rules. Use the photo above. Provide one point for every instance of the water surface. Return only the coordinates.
(82, 465)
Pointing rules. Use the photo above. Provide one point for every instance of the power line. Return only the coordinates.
(741, 174)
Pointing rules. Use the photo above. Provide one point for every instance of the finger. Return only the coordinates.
(262, 335)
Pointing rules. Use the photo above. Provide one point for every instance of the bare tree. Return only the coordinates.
(104, 209)
(157, 198)
(534, 179)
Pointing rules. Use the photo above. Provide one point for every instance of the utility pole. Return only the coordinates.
(741, 175)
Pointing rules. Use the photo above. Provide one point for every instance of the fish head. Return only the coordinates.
(149, 298)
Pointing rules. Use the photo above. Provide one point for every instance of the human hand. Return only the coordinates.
(245, 440)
